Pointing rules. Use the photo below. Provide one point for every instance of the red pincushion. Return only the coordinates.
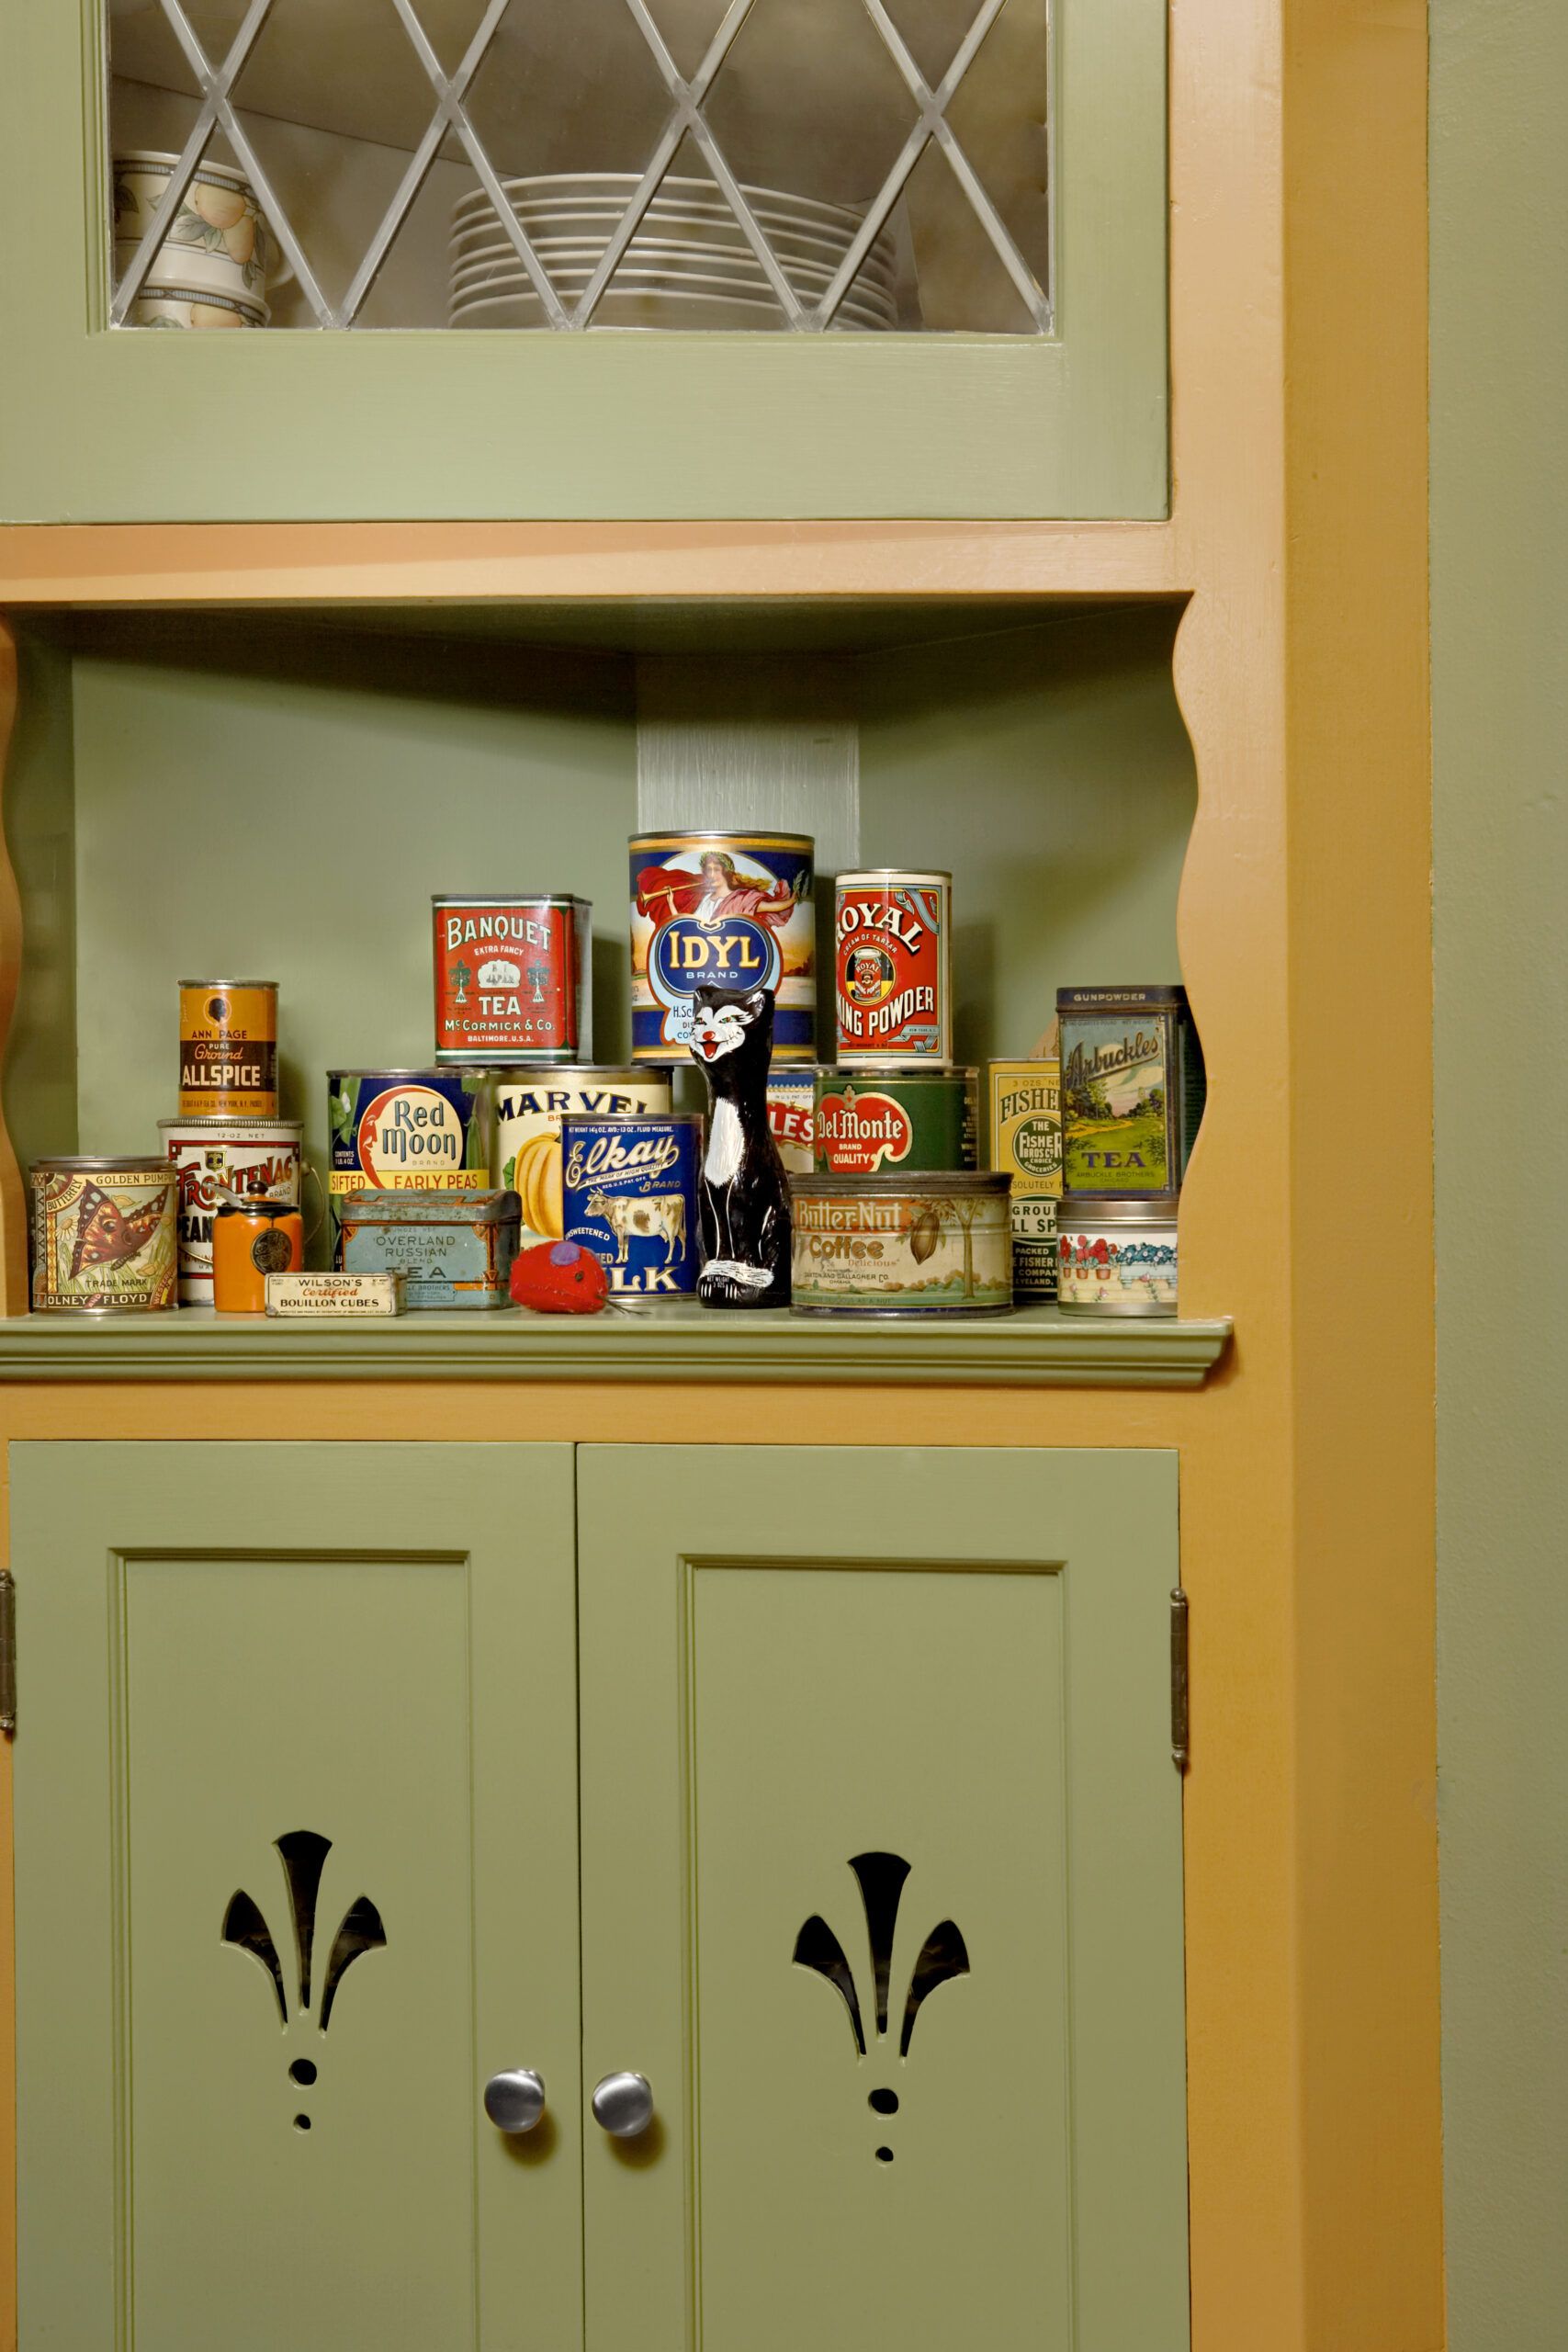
(559, 1278)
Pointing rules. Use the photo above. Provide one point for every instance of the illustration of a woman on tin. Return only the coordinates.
(715, 891)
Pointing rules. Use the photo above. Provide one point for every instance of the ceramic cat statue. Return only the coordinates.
(742, 1191)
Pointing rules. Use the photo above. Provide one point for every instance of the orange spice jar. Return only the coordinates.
(252, 1239)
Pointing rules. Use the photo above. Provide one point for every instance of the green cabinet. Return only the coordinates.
(295, 1792)
(1032, 135)
(879, 1889)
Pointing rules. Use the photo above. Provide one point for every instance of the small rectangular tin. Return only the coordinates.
(404, 1131)
(921, 1245)
(104, 1234)
(893, 968)
(322, 1298)
(1131, 1089)
(228, 1049)
(733, 908)
(511, 978)
(1026, 1145)
(454, 1250)
(631, 1197)
(1119, 1257)
(867, 1121)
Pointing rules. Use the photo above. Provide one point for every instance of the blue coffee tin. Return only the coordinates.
(630, 1196)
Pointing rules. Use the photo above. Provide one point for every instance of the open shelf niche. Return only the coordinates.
(235, 790)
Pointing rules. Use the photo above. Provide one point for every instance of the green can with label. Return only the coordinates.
(871, 1122)
(1133, 1089)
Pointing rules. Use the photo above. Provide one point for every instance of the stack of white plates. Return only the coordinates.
(687, 266)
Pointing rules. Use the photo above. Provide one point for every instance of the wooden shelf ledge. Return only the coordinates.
(1036, 1347)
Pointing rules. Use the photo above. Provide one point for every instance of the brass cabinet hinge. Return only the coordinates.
(1178, 1679)
(8, 1651)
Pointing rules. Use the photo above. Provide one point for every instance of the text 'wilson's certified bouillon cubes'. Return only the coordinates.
(1131, 1089)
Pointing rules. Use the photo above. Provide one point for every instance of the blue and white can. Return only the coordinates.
(630, 1196)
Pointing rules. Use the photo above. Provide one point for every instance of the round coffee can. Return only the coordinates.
(893, 968)
(104, 1234)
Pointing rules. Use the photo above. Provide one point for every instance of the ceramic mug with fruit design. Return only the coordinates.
(529, 1107)
(218, 241)
(173, 306)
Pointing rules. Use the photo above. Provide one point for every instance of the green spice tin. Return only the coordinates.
(1131, 1089)
(867, 1120)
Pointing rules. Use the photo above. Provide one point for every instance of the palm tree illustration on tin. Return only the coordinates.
(942, 1956)
(304, 1854)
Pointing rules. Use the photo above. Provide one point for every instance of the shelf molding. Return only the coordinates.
(1036, 1348)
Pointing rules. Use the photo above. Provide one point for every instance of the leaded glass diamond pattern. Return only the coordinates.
(464, 55)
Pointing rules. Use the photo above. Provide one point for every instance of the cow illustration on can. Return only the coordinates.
(629, 1188)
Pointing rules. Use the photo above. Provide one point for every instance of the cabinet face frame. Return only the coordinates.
(499, 425)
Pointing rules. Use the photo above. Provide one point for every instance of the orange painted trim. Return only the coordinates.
(13, 1199)
(613, 563)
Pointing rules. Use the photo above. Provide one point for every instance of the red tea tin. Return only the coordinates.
(511, 978)
(893, 968)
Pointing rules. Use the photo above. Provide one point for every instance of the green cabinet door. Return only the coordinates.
(296, 1871)
(882, 1892)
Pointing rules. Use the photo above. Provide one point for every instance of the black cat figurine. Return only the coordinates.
(742, 1191)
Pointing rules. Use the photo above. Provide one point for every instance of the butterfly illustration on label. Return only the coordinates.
(106, 1236)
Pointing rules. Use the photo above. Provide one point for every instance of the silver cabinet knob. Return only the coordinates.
(514, 2101)
(623, 2105)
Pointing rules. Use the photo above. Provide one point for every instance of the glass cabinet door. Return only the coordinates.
(592, 258)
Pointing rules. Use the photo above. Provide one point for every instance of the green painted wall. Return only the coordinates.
(1500, 744)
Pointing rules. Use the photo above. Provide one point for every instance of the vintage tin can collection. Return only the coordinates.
(213, 1157)
(631, 1197)
(511, 978)
(1131, 1089)
(893, 968)
(228, 1049)
(792, 1114)
(406, 1130)
(732, 909)
(452, 1249)
(1118, 1256)
(252, 1238)
(529, 1107)
(916, 1119)
(1026, 1145)
(938, 1244)
(102, 1233)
